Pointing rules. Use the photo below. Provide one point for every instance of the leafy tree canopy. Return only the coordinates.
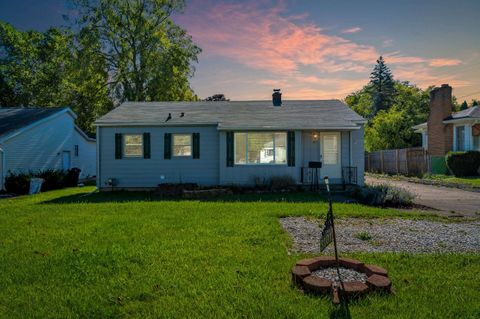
(148, 56)
(53, 68)
(392, 128)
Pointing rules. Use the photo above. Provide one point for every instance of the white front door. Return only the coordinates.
(330, 154)
(66, 160)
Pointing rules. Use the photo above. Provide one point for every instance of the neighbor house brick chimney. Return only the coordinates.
(440, 136)
(277, 97)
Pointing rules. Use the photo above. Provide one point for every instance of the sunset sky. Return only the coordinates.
(313, 49)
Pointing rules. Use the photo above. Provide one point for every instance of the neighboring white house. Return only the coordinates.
(43, 138)
(144, 144)
(465, 127)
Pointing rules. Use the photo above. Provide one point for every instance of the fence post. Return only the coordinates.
(381, 162)
(407, 152)
(397, 161)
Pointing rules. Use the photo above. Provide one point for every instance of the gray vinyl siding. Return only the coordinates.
(146, 173)
(246, 174)
(211, 168)
(358, 154)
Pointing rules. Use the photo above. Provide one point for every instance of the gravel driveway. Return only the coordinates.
(445, 200)
(387, 235)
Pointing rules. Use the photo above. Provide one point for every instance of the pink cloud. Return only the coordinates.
(265, 39)
(352, 30)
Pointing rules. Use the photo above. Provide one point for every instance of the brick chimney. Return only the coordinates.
(440, 136)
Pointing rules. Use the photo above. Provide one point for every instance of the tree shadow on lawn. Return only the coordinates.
(125, 196)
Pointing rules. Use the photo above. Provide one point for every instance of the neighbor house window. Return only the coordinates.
(182, 144)
(261, 148)
(76, 150)
(460, 136)
(133, 145)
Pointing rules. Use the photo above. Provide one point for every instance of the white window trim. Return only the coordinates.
(246, 149)
(467, 137)
(124, 148)
(173, 145)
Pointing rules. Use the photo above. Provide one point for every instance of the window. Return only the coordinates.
(261, 148)
(460, 132)
(76, 150)
(182, 145)
(133, 145)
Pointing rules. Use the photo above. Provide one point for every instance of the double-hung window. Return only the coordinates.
(260, 148)
(133, 145)
(182, 144)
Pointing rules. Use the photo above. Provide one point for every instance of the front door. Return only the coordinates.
(66, 160)
(330, 154)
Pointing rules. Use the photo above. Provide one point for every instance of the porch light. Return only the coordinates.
(314, 137)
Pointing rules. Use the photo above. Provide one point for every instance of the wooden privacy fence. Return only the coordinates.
(413, 161)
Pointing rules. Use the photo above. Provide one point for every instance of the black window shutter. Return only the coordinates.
(291, 148)
(167, 146)
(196, 145)
(118, 146)
(230, 154)
(146, 145)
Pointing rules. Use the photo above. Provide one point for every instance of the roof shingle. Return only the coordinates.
(236, 114)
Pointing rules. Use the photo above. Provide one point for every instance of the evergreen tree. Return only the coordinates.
(464, 106)
(381, 86)
(474, 103)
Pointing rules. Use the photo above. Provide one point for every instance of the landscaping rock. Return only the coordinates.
(316, 284)
(378, 282)
(387, 235)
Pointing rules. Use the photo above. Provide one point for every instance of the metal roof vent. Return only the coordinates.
(277, 97)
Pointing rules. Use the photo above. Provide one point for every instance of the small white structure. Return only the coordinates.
(33, 139)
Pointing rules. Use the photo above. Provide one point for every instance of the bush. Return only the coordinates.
(463, 164)
(19, 183)
(282, 182)
(384, 195)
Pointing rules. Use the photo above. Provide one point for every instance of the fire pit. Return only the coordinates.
(319, 275)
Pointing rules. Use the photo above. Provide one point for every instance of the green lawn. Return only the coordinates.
(473, 182)
(128, 255)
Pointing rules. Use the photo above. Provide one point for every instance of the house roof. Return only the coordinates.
(13, 119)
(471, 112)
(228, 115)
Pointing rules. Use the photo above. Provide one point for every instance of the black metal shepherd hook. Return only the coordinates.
(328, 235)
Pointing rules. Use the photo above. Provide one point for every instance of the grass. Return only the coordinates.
(472, 182)
(365, 236)
(67, 255)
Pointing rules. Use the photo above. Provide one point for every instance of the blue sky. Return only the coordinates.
(313, 49)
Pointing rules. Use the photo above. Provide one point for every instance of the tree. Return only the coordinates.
(217, 97)
(475, 103)
(464, 106)
(381, 86)
(53, 68)
(392, 128)
(148, 56)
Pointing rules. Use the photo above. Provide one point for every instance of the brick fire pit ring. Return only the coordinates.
(377, 278)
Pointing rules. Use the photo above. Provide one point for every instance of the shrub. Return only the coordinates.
(384, 195)
(282, 182)
(19, 183)
(463, 164)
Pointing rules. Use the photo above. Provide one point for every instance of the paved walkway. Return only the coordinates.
(447, 200)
